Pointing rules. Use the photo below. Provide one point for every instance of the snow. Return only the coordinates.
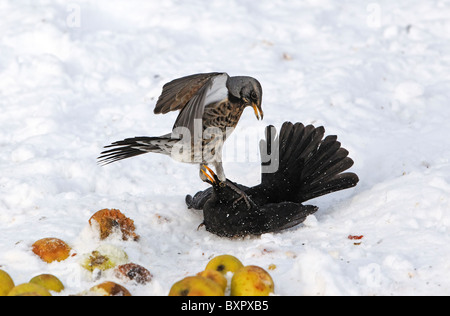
(78, 75)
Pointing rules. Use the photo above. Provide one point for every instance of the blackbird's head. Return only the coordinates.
(221, 191)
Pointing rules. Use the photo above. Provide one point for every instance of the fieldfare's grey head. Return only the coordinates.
(249, 90)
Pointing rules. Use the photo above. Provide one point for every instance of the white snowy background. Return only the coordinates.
(78, 75)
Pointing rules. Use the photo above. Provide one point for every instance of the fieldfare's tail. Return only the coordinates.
(308, 166)
(135, 146)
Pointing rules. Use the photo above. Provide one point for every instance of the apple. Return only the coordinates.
(251, 281)
(196, 286)
(111, 220)
(104, 257)
(109, 288)
(29, 289)
(48, 281)
(135, 272)
(51, 249)
(215, 276)
(6, 283)
(224, 264)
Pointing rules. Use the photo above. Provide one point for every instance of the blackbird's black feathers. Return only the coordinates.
(283, 215)
(308, 166)
(339, 182)
(237, 220)
(200, 198)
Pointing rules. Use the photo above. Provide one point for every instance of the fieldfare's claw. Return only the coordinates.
(245, 198)
(213, 180)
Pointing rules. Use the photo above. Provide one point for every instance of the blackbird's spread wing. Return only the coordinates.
(199, 199)
(295, 144)
(191, 95)
(308, 166)
(236, 220)
(280, 216)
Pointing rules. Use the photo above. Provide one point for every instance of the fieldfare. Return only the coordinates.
(210, 106)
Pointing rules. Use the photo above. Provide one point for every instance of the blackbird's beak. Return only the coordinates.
(258, 110)
(208, 176)
(211, 177)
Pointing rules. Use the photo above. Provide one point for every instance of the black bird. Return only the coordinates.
(210, 106)
(308, 166)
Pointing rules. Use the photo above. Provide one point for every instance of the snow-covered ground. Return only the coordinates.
(77, 75)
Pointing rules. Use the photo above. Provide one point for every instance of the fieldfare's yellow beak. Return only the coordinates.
(258, 110)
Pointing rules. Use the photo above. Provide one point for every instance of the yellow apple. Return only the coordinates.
(109, 288)
(196, 286)
(224, 264)
(251, 281)
(6, 283)
(29, 289)
(215, 276)
(104, 257)
(48, 281)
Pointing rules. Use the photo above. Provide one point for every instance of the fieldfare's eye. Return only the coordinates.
(253, 95)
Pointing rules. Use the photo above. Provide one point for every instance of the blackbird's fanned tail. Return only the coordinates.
(309, 166)
(323, 172)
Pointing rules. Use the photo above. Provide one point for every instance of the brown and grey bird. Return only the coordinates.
(210, 106)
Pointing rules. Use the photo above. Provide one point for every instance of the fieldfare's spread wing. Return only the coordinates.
(177, 93)
(214, 90)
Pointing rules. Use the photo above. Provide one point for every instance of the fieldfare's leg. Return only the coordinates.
(242, 194)
(219, 171)
(235, 188)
